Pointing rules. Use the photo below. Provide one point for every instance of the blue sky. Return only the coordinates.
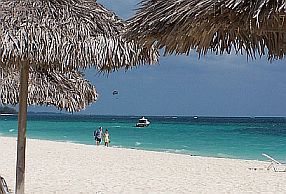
(227, 85)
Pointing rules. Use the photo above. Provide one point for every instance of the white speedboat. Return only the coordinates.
(143, 122)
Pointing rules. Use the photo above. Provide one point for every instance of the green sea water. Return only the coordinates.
(244, 138)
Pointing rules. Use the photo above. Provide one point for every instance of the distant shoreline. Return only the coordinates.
(7, 114)
(137, 116)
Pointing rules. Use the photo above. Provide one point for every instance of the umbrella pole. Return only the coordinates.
(22, 123)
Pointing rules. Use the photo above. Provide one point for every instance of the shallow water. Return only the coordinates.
(244, 138)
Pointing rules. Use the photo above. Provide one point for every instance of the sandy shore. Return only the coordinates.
(56, 167)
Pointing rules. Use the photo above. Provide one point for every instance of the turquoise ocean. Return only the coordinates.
(236, 137)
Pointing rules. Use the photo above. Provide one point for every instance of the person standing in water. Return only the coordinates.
(106, 138)
(98, 135)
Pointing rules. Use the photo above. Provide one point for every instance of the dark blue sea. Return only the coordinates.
(239, 137)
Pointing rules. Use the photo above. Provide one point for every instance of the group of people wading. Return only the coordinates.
(99, 135)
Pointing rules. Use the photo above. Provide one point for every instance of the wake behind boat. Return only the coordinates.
(143, 122)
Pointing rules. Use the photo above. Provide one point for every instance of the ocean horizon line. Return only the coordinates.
(146, 115)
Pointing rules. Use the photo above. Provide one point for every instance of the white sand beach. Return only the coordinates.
(57, 167)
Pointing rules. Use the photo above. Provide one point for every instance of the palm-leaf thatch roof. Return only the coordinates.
(69, 91)
(66, 33)
(219, 26)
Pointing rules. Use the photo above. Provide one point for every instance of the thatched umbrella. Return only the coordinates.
(61, 35)
(66, 33)
(212, 25)
(68, 91)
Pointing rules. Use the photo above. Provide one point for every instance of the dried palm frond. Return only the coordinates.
(66, 34)
(220, 26)
(69, 91)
